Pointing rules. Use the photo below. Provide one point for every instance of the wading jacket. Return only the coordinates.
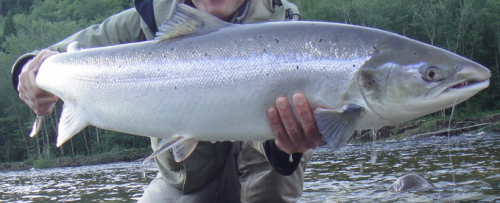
(140, 24)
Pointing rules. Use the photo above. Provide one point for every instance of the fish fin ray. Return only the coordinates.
(37, 125)
(163, 146)
(186, 21)
(184, 149)
(337, 126)
(69, 125)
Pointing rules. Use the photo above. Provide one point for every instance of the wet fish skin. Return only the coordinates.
(213, 81)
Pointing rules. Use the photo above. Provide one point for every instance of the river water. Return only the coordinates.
(347, 175)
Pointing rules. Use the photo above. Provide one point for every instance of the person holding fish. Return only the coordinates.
(271, 171)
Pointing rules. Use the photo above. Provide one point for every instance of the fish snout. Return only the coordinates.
(474, 73)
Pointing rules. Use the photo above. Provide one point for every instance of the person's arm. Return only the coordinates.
(123, 27)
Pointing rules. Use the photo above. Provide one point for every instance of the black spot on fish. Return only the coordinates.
(206, 54)
(260, 36)
(193, 52)
(297, 67)
(277, 40)
(267, 74)
(175, 87)
(370, 82)
(354, 65)
(172, 49)
(149, 52)
(320, 40)
(374, 47)
(265, 51)
(158, 70)
(415, 53)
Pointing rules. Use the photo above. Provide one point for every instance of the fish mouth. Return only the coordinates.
(469, 84)
(459, 88)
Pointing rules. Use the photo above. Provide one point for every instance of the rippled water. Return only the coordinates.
(348, 175)
(343, 176)
(107, 182)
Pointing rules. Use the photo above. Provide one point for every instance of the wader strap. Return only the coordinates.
(145, 10)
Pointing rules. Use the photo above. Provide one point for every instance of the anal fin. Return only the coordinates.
(182, 147)
(69, 125)
(337, 126)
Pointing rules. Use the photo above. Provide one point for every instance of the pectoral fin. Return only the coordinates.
(337, 126)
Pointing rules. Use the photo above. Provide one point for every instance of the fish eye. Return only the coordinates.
(431, 73)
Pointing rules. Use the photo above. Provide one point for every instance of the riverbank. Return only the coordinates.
(117, 155)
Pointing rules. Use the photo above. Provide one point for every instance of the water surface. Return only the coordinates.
(343, 176)
(348, 175)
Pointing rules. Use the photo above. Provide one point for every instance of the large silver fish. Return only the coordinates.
(206, 80)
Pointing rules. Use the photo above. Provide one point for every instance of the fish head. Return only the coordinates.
(405, 79)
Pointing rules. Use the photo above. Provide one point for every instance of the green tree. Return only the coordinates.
(9, 27)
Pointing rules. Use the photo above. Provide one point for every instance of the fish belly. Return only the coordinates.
(209, 104)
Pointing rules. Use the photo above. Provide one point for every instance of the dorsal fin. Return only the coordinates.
(186, 21)
(73, 46)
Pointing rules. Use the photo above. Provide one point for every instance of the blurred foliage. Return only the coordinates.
(28, 25)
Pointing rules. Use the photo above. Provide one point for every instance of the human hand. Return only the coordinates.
(292, 137)
(41, 101)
